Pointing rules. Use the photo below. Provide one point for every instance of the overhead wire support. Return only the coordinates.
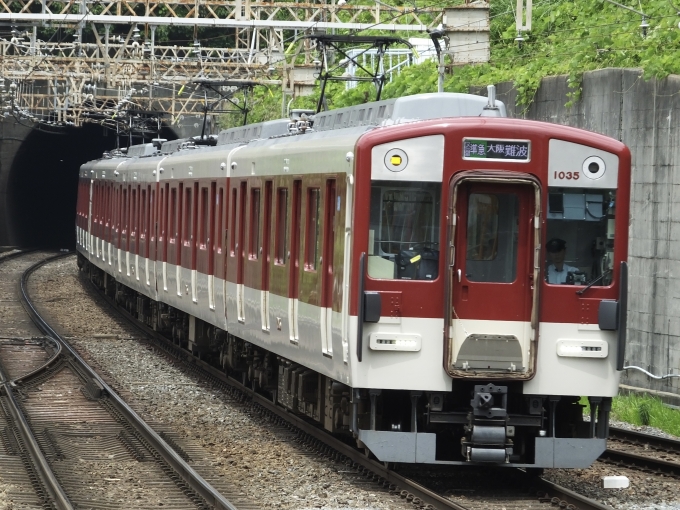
(336, 42)
(237, 85)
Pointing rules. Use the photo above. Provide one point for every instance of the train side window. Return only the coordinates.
(254, 223)
(172, 216)
(145, 220)
(492, 236)
(188, 210)
(150, 218)
(579, 242)
(312, 230)
(404, 230)
(205, 218)
(134, 215)
(219, 207)
(126, 212)
(281, 225)
(232, 242)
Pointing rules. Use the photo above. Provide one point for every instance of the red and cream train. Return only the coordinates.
(382, 269)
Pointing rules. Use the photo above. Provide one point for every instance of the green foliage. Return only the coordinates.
(567, 38)
(642, 410)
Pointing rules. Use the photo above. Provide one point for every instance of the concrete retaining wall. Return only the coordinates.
(645, 115)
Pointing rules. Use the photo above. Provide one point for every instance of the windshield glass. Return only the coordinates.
(404, 230)
(579, 245)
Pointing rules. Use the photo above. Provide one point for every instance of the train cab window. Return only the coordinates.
(492, 234)
(579, 243)
(404, 230)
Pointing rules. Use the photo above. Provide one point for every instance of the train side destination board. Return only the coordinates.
(494, 149)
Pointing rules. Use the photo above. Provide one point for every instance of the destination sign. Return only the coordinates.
(502, 150)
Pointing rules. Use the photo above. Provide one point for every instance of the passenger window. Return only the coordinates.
(492, 235)
(404, 230)
(312, 242)
(254, 223)
(579, 248)
(281, 225)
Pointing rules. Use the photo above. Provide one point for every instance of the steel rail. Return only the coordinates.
(426, 496)
(44, 471)
(179, 465)
(645, 462)
(553, 492)
(636, 461)
(557, 494)
(640, 438)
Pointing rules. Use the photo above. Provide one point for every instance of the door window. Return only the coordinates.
(492, 235)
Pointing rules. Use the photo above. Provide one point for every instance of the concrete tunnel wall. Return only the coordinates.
(38, 180)
(645, 115)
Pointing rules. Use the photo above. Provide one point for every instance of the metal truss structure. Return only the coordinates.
(126, 70)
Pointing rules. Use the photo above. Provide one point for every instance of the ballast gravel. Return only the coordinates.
(265, 466)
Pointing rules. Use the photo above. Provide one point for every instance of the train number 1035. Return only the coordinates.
(570, 176)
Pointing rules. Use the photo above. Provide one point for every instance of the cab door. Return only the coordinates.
(493, 268)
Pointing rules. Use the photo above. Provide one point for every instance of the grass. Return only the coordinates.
(643, 410)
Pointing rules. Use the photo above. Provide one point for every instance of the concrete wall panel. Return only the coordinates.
(645, 115)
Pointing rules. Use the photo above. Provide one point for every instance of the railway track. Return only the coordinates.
(534, 492)
(67, 439)
(636, 450)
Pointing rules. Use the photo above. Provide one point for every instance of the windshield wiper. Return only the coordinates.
(593, 282)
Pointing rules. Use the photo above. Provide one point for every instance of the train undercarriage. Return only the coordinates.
(477, 422)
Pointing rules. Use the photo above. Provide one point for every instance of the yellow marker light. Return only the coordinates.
(415, 259)
(395, 160)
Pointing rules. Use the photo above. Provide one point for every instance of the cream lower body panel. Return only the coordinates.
(141, 277)
(579, 376)
(307, 350)
(400, 370)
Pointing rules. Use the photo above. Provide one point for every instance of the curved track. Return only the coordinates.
(522, 492)
(73, 444)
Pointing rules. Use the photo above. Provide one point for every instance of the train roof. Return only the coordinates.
(379, 113)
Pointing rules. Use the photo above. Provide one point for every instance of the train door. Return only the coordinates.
(220, 243)
(492, 289)
(174, 253)
(241, 253)
(330, 208)
(188, 245)
(294, 257)
(143, 234)
(132, 239)
(205, 254)
(265, 255)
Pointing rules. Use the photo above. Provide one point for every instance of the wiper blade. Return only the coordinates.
(593, 282)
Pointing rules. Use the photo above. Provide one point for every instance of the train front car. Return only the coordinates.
(489, 267)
